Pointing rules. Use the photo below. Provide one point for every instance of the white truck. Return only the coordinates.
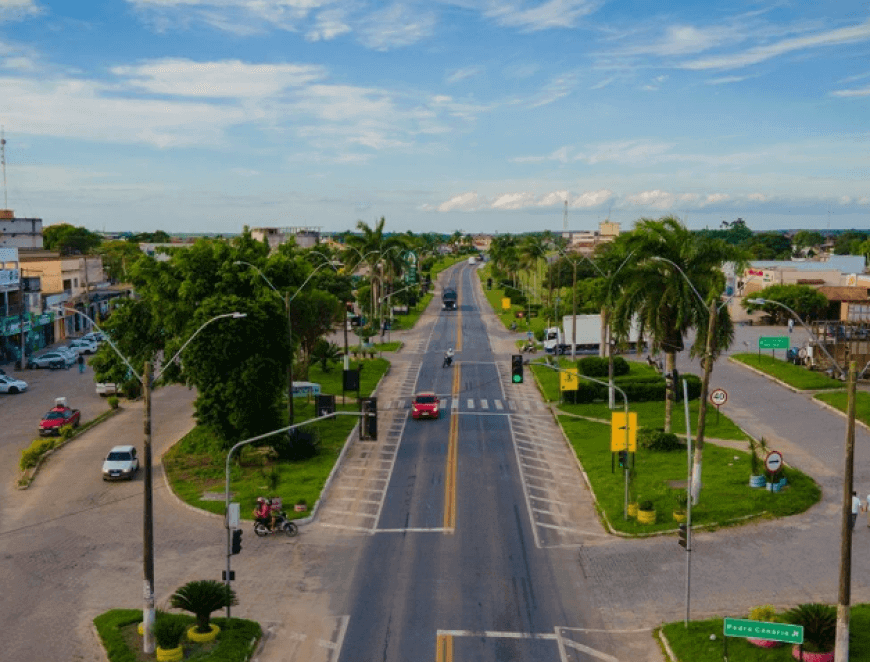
(588, 335)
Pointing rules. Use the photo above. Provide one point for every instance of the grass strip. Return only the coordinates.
(840, 401)
(795, 376)
(695, 644)
(196, 465)
(725, 495)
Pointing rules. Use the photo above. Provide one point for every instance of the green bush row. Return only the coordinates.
(596, 366)
(31, 455)
(642, 389)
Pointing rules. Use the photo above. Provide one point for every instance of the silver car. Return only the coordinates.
(121, 463)
(12, 385)
(84, 346)
(51, 359)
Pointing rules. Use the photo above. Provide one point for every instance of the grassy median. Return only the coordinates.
(840, 401)
(795, 376)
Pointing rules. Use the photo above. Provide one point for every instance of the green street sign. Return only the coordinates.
(773, 342)
(737, 627)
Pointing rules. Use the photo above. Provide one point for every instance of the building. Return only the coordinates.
(305, 237)
(19, 232)
(586, 241)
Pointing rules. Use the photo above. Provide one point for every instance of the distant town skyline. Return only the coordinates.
(469, 115)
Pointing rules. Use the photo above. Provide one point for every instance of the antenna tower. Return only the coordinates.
(564, 216)
(3, 161)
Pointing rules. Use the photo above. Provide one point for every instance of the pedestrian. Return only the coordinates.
(81, 364)
(790, 324)
(856, 506)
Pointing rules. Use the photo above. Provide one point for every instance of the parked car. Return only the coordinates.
(121, 462)
(69, 349)
(425, 405)
(85, 346)
(108, 388)
(95, 336)
(52, 359)
(11, 385)
(56, 418)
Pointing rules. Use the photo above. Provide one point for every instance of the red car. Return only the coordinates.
(56, 418)
(425, 405)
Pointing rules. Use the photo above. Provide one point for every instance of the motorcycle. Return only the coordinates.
(531, 348)
(448, 361)
(282, 525)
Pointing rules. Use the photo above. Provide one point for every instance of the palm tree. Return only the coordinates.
(668, 303)
(201, 598)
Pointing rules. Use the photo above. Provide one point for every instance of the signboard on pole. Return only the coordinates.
(569, 379)
(505, 303)
(773, 342)
(773, 461)
(738, 627)
(617, 431)
(718, 397)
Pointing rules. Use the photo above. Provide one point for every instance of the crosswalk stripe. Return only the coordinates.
(470, 403)
(526, 405)
(499, 405)
(484, 404)
(454, 403)
(442, 403)
(512, 405)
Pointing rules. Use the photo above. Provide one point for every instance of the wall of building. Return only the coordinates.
(20, 232)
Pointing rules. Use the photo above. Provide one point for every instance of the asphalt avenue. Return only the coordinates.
(471, 537)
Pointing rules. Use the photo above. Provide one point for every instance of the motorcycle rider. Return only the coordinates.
(448, 356)
(263, 513)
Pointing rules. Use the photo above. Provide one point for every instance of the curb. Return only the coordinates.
(106, 415)
(660, 632)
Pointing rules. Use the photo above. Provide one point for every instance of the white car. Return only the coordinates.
(108, 388)
(69, 349)
(84, 346)
(121, 462)
(94, 336)
(51, 359)
(11, 385)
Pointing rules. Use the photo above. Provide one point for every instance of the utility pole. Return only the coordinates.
(290, 412)
(713, 311)
(841, 646)
(574, 315)
(148, 519)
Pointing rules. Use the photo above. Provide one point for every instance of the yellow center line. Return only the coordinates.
(452, 466)
(458, 319)
(444, 648)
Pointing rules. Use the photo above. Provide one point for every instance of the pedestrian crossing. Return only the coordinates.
(466, 404)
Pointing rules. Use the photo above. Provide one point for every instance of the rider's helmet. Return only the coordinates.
(261, 500)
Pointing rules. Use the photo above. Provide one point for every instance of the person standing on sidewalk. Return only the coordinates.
(81, 360)
(790, 324)
(856, 506)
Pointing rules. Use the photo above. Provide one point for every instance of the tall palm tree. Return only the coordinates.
(662, 299)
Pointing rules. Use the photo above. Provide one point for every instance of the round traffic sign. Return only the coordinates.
(773, 461)
(719, 397)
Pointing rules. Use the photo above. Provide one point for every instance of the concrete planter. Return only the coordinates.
(680, 516)
(811, 657)
(202, 637)
(646, 516)
(756, 481)
(632, 509)
(774, 487)
(764, 643)
(170, 654)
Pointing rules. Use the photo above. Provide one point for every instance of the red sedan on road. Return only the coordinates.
(425, 405)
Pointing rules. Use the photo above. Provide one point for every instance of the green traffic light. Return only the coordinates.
(518, 379)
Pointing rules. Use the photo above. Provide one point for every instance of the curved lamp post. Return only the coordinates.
(148, 511)
(287, 299)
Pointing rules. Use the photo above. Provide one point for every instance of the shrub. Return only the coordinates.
(646, 505)
(682, 499)
(820, 625)
(765, 613)
(113, 402)
(656, 439)
(66, 432)
(201, 598)
(168, 631)
(30, 455)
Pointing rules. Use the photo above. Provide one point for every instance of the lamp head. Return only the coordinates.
(760, 302)
(239, 315)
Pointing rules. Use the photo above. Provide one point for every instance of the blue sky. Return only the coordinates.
(440, 115)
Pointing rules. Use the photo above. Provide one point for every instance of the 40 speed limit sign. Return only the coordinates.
(718, 397)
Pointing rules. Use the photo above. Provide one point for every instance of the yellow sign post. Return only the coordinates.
(569, 379)
(618, 435)
(506, 303)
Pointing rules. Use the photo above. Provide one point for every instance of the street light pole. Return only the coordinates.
(841, 648)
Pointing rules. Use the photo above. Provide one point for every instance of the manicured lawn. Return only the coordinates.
(507, 317)
(840, 399)
(649, 414)
(197, 463)
(725, 494)
(694, 643)
(794, 375)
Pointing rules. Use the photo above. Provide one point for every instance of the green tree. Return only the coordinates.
(69, 240)
(202, 598)
(806, 301)
(314, 314)
(848, 243)
(158, 237)
(118, 255)
(768, 246)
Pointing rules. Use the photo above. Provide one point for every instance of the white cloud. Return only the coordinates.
(854, 92)
(627, 152)
(758, 197)
(865, 200)
(662, 200)
(328, 25)
(227, 78)
(553, 198)
(546, 15)
(463, 74)
(513, 201)
(725, 80)
(463, 202)
(18, 10)
(396, 26)
(844, 200)
(714, 198)
(592, 198)
(603, 83)
(854, 33)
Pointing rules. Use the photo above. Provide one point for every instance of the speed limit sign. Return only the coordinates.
(719, 397)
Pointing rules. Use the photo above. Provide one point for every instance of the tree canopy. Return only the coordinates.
(69, 240)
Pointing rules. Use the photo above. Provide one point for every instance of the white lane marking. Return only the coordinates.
(470, 403)
(413, 530)
(590, 651)
(498, 634)
(361, 529)
(442, 403)
(484, 404)
(499, 405)
(570, 530)
(523, 483)
(392, 466)
(454, 403)
(512, 405)
(340, 641)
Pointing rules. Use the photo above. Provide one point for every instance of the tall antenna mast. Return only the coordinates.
(3, 160)
(564, 215)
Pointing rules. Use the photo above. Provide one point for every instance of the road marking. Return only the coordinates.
(454, 403)
(470, 403)
(451, 468)
(444, 648)
(435, 529)
(570, 530)
(499, 405)
(442, 403)
(496, 634)
(589, 651)
(484, 404)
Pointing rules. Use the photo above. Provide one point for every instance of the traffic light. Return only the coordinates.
(684, 536)
(237, 541)
(369, 426)
(324, 404)
(489, 283)
(517, 368)
(623, 459)
(351, 380)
